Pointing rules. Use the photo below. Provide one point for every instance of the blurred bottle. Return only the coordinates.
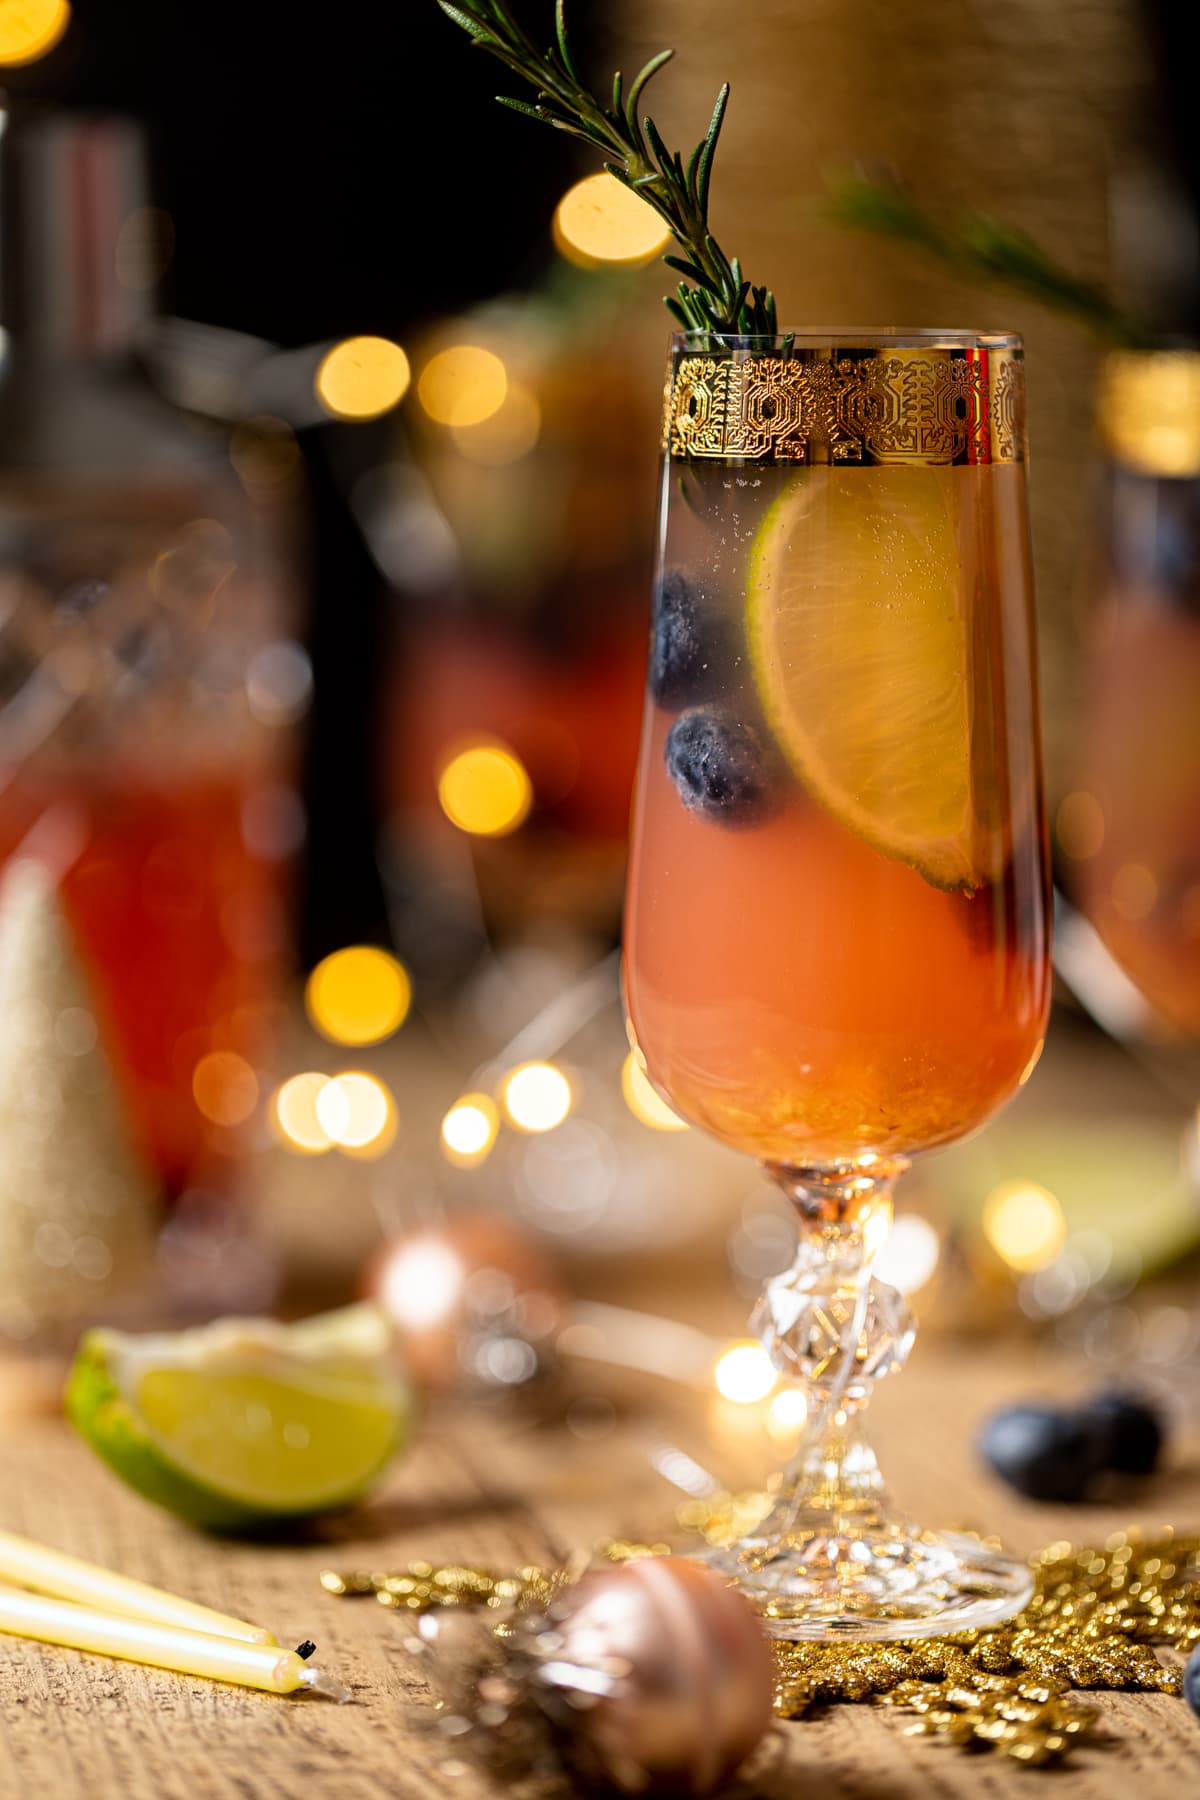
(1130, 830)
(520, 538)
(144, 680)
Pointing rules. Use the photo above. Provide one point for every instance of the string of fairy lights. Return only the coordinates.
(359, 997)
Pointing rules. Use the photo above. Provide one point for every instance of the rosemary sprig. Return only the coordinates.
(714, 297)
(979, 247)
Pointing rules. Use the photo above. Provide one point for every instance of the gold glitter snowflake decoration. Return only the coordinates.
(1096, 1620)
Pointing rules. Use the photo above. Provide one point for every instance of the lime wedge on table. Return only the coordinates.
(244, 1421)
(856, 623)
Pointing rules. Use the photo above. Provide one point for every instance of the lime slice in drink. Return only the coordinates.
(856, 622)
(245, 1421)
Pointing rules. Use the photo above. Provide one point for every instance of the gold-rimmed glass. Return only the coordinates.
(836, 927)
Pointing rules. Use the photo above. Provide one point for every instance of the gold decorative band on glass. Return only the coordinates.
(898, 402)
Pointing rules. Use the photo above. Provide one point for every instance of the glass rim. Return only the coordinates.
(853, 337)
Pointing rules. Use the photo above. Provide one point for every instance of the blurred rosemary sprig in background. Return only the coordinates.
(978, 247)
(714, 297)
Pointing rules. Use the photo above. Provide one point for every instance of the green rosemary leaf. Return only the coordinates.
(560, 32)
(632, 148)
(523, 106)
(640, 81)
(708, 151)
(662, 155)
(716, 256)
(500, 20)
(873, 206)
(978, 247)
(693, 163)
(690, 269)
(468, 24)
(578, 131)
(1010, 255)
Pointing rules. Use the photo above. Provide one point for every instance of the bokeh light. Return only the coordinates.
(789, 1409)
(1079, 825)
(469, 1130)
(279, 682)
(745, 1373)
(362, 378)
(1134, 891)
(910, 1255)
(295, 1113)
(357, 1113)
(599, 221)
(421, 1283)
(876, 1222)
(1148, 408)
(1024, 1224)
(537, 1096)
(359, 995)
(225, 1087)
(463, 385)
(29, 28)
(485, 789)
(643, 1100)
(507, 434)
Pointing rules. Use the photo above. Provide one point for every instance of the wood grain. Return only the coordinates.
(483, 1487)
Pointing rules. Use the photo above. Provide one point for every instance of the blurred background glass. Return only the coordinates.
(145, 674)
(1129, 833)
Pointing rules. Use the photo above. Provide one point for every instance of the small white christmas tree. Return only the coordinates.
(77, 1211)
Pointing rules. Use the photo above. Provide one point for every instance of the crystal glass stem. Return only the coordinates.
(829, 1325)
(833, 1557)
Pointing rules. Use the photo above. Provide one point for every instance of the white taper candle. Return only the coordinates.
(30, 1565)
(263, 1666)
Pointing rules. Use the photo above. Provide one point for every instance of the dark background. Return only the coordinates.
(330, 169)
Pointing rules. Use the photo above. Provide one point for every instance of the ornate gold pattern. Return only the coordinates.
(923, 406)
(1095, 1621)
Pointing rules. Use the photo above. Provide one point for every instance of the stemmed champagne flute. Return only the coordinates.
(837, 944)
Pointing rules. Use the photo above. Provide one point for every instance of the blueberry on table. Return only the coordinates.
(1044, 1452)
(1131, 1428)
(721, 767)
(687, 643)
(1191, 1681)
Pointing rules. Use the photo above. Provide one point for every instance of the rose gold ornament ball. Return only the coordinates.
(693, 1674)
(442, 1283)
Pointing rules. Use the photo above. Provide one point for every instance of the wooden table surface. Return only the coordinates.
(487, 1489)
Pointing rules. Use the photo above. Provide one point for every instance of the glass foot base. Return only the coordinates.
(875, 1584)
